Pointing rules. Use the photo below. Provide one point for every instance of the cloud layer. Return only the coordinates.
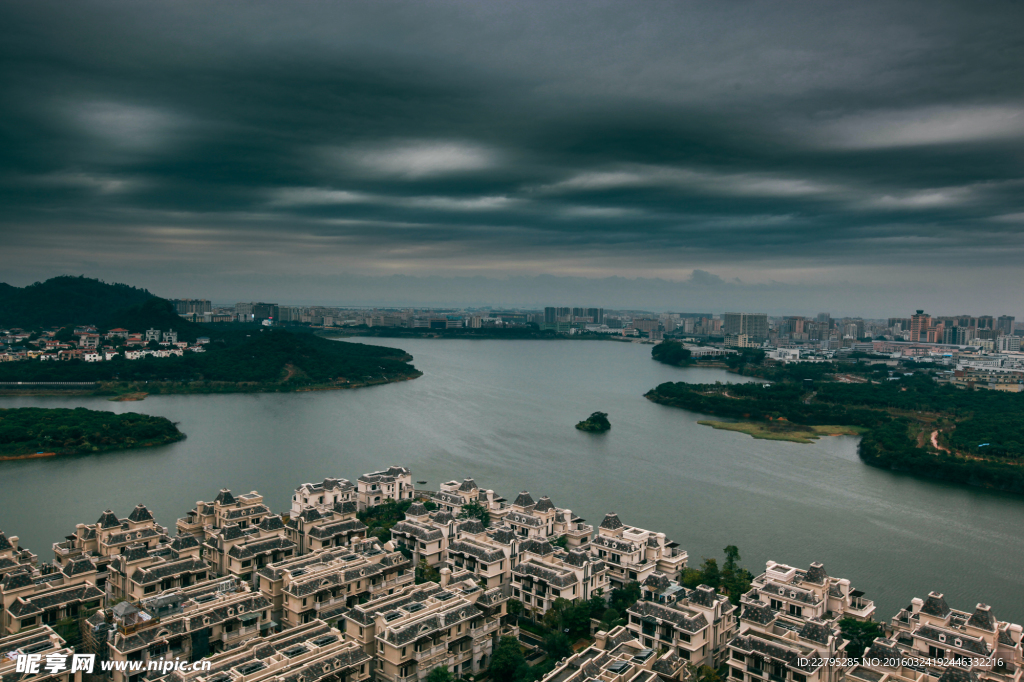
(198, 148)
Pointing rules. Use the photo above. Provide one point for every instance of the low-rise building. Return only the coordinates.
(929, 630)
(394, 483)
(236, 551)
(425, 534)
(140, 571)
(696, 624)
(43, 642)
(12, 556)
(542, 520)
(325, 585)
(48, 595)
(320, 526)
(633, 554)
(809, 593)
(181, 625)
(543, 574)
(313, 652)
(617, 656)
(325, 494)
(782, 648)
(245, 511)
(421, 627)
(109, 537)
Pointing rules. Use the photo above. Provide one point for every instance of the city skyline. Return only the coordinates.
(857, 159)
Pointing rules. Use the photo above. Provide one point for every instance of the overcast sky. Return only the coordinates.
(862, 158)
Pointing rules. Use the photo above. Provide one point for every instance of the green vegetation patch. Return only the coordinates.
(597, 422)
(783, 430)
(25, 431)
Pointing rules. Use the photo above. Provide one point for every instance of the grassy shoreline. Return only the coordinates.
(794, 433)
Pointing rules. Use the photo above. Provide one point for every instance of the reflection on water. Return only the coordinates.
(503, 412)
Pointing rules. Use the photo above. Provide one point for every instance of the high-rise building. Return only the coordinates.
(986, 322)
(1004, 324)
(753, 325)
(184, 306)
(919, 323)
(596, 316)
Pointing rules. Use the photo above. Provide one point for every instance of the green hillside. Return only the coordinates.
(65, 300)
(273, 359)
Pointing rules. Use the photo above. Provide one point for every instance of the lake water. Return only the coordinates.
(503, 412)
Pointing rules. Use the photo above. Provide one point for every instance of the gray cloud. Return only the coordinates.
(792, 146)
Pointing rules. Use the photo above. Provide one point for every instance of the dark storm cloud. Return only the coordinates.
(809, 143)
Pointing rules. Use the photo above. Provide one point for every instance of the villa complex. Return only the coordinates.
(314, 595)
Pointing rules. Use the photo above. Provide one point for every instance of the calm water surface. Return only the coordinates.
(503, 412)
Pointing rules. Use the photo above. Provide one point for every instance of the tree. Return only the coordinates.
(507, 660)
(622, 598)
(732, 557)
(474, 510)
(610, 619)
(440, 674)
(860, 634)
(710, 575)
(562, 541)
(425, 573)
(514, 607)
(557, 646)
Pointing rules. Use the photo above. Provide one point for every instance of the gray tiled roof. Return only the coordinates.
(4, 542)
(982, 618)
(417, 531)
(544, 504)
(954, 674)
(438, 621)
(107, 520)
(478, 551)
(336, 528)
(758, 612)
(38, 603)
(754, 644)
(523, 519)
(183, 542)
(935, 605)
(816, 631)
(816, 574)
(416, 509)
(968, 643)
(534, 569)
(245, 512)
(140, 513)
(611, 522)
(614, 544)
(158, 572)
(78, 567)
(471, 526)
(272, 523)
(251, 549)
(224, 497)
(523, 499)
(687, 622)
(468, 486)
(502, 534)
(541, 547)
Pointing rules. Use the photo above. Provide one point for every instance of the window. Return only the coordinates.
(936, 652)
(797, 677)
(795, 610)
(736, 672)
(777, 605)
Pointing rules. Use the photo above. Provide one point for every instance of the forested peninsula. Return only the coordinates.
(28, 432)
(910, 423)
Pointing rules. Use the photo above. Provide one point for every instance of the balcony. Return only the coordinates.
(486, 627)
(433, 651)
(860, 608)
(393, 583)
(66, 549)
(238, 634)
(330, 602)
(756, 672)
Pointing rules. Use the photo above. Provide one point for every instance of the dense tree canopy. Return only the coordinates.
(26, 430)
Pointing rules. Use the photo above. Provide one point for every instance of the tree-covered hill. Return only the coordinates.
(155, 313)
(28, 430)
(274, 358)
(65, 300)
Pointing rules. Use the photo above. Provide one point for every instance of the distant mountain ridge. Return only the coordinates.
(67, 300)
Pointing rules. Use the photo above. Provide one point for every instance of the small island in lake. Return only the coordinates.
(595, 423)
(29, 432)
